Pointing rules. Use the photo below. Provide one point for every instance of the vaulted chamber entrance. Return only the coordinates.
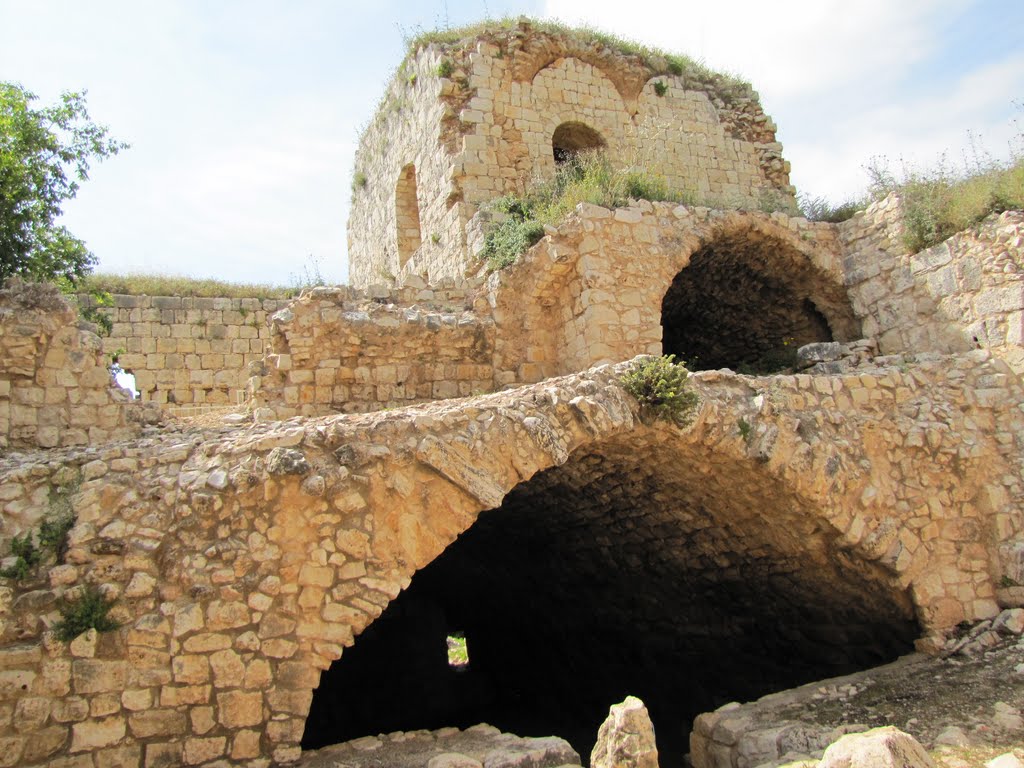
(570, 139)
(643, 569)
(747, 302)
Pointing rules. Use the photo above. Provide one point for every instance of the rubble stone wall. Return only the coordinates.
(965, 293)
(55, 389)
(246, 560)
(476, 122)
(188, 350)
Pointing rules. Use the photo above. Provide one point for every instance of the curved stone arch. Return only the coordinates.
(585, 103)
(602, 277)
(784, 275)
(627, 84)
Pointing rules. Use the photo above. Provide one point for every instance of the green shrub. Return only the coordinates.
(942, 200)
(589, 177)
(445, 68)
(661, 387)
(359, 181)
(660, 88)
(89, 611)
(26, 557)
(52, 536)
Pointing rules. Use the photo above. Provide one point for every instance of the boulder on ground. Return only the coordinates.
(886, 747)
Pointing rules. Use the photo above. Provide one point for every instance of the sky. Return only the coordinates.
(244, 115)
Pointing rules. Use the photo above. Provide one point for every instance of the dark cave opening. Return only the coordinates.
(748, 303)
(621, 572)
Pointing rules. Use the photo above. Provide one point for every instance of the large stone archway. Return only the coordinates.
(640, 566)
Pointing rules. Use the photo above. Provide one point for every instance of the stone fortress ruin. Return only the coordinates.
(444, 450)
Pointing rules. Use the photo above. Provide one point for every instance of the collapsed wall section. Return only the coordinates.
(55, 387)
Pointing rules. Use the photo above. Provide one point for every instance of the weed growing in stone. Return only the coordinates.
(89, 611)
(26, 557)
(661, 88)
(32, 547)
(820, 209)
(745, 429)
(662, 387)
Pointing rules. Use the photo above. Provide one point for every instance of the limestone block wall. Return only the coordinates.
(244, 562)
(55, 388)
(188, 350)
(341, 350)
(965, 293)
(477, 120)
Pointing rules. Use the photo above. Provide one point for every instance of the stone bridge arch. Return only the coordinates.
(246, 562)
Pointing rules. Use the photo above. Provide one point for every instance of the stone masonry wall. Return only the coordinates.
(965, 293)
(486, 130)
(246, 560)
(340, 350)
(55, 388)
(189, 350)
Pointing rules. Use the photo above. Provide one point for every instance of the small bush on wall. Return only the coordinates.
(662, 387)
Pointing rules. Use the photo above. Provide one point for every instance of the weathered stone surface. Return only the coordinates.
(886, 747)
(626, 738)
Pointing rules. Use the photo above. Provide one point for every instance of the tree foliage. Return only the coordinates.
(44, 155)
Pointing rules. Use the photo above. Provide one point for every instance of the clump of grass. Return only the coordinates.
(445, 68)
(89, 611)
(942, 200)
(662, 387)
(359, 181)
(588, 177)
(660, 87)
(821, 209)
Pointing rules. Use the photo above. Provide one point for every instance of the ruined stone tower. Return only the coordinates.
(465, 122)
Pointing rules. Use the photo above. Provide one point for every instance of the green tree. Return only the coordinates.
(44, 155)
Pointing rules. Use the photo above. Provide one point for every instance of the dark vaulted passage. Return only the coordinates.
(632, 569)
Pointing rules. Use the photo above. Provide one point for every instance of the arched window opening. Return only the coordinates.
(407, 215)
(570, 139)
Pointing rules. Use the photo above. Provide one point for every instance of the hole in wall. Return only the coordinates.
(625, 571)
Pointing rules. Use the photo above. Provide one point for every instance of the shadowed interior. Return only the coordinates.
(632, 569)
(747, 302)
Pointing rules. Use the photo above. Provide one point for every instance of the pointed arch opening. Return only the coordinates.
(407, 215)
(624, 571)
